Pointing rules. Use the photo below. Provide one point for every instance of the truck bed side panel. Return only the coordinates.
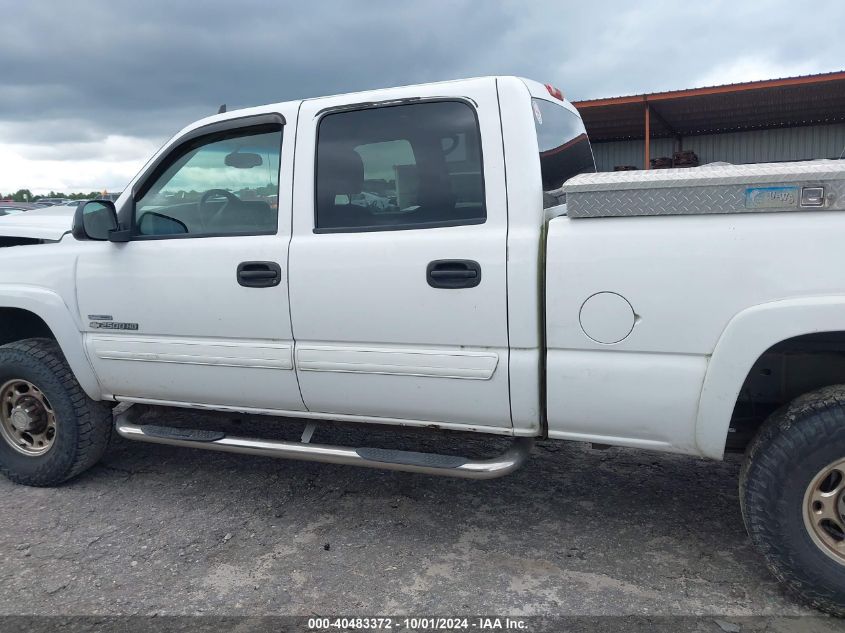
(685, 278)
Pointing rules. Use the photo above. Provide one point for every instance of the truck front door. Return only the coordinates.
(194, 308)
(398, 258)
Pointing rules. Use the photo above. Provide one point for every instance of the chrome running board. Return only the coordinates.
(406, 461)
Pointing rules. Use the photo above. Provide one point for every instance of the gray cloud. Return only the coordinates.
(73, 72)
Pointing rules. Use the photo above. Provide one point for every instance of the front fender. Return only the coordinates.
(50, 307)
(747, 336)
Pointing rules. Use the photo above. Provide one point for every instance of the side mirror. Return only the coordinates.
(95, 220)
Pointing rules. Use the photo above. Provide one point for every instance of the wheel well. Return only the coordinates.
(782, 373)
(17, 324)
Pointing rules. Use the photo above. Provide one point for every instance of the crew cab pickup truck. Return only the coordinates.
(444, 256)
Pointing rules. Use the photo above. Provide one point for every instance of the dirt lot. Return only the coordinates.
(165, 530)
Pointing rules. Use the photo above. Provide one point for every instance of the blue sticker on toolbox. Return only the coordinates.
(771, 197)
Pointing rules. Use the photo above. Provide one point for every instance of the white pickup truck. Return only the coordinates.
(443, 256)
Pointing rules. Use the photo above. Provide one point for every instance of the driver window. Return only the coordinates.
(222, 184)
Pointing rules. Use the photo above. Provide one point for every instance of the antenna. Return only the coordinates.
(222, 109)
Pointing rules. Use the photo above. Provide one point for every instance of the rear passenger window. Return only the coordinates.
(399, 167)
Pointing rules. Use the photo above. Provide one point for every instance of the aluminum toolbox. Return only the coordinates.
(719, 188)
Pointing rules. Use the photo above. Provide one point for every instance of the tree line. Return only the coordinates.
(25, 195)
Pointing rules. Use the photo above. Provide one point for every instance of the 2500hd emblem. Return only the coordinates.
(112, 325)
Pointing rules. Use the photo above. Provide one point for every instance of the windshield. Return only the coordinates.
(564, 147)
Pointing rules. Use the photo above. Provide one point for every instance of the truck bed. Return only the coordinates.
(663, 288)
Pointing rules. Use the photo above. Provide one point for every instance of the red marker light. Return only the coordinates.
(555, 92)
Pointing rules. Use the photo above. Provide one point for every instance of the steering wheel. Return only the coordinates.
(216, 193)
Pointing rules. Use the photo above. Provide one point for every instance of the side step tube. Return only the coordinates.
(407, 461)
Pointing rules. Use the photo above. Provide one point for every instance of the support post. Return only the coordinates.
(647, 143)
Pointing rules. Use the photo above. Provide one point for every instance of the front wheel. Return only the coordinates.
(792, 490)
(50, 430)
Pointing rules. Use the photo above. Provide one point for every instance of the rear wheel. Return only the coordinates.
(792, 490)
(50, 430)
(824, 510)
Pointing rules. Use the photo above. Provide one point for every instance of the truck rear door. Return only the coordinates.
(398, 257)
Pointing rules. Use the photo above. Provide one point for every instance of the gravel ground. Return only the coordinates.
(162, 530)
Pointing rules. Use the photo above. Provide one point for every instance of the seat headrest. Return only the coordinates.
(341, 171)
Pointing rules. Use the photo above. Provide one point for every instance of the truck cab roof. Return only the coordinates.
(534, 88)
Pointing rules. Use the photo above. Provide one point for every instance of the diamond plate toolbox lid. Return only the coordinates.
(710, 189)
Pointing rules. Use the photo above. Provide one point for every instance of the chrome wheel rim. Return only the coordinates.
(27, 420)
(824, 510)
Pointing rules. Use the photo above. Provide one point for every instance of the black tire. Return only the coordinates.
(83, 426)
(795, 444)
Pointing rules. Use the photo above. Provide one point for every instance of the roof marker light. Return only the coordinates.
(555, 92)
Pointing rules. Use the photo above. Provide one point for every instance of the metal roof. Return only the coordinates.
(786, 102)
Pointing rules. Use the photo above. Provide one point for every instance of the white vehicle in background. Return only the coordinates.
(442, 256)
(10, 207)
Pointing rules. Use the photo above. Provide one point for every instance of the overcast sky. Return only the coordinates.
(89, 89)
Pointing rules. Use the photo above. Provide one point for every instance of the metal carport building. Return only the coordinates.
(794, 118)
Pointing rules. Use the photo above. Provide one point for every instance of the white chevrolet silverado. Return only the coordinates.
(443, 256)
